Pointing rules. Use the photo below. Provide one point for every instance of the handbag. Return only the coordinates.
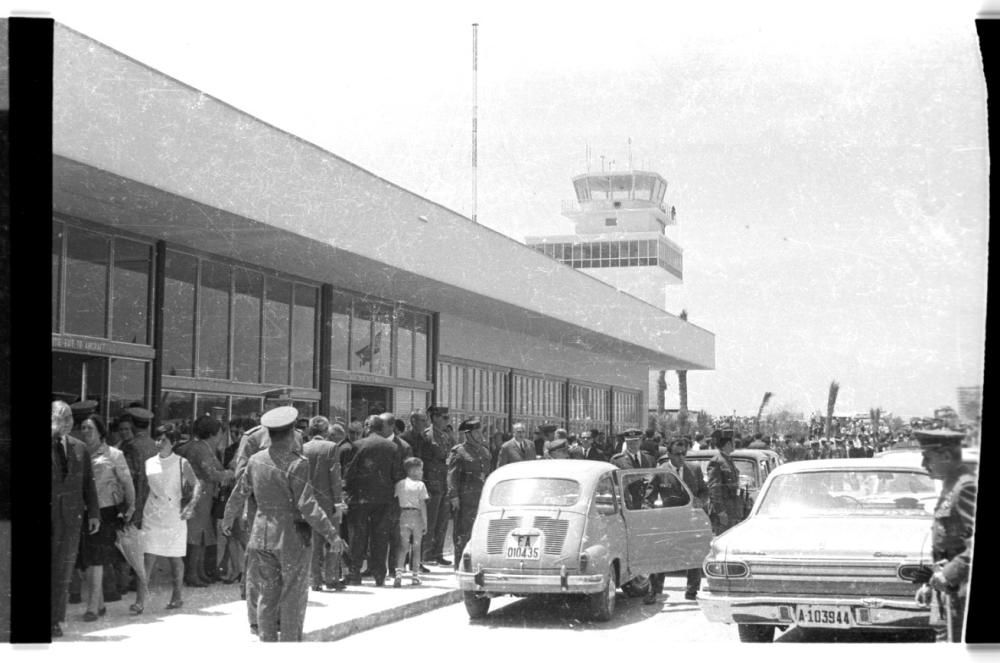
(187, 490)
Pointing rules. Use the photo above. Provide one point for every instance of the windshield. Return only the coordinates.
(745, 466)
(535, 492)
(840, 492)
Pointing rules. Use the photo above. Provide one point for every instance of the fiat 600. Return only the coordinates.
(829, 544)
(578, 527)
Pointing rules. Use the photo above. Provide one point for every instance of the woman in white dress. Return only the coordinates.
(163, 520)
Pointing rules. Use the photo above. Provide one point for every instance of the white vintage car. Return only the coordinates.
(829, 544)
(578, 527)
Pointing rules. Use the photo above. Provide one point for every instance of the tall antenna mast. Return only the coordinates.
(475, 110)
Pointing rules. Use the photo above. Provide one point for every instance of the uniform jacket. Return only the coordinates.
(73, 493)
(513, 451)
(433, 447)
(557, 448)
(278, 480)
(137, 451)
(951, 534)
(625, 462)
(372, 474)
(254, 440)
(724, 487)
(468, 467)
(324, 473)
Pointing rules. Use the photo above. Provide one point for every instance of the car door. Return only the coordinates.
(664, 529)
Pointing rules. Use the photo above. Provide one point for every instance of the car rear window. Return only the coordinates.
(855, 492)
(535, 492)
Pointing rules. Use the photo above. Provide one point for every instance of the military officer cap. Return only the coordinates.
(469, 425)
(585, 434)
(632, 432)
(933, 440)
(437, 411)
(83, 409)
(545, 429)
(279, 419)
(140, 414)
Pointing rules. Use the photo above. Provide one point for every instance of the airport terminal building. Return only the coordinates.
(202, 259)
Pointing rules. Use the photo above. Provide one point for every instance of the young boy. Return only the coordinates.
(412, 495)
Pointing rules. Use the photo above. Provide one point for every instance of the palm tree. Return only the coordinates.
(760, 410)
(831, 400)
(661, 392)
(682, 390)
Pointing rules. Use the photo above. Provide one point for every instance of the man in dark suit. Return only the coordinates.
(725, 506)
(433, 448)
(517, 448)
(690, 474)
(73, 492)
(324, 473)
(370, 482)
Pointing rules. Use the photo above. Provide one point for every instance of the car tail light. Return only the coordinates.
(584, 561)
(909, 572)
(467, 561)
(726, 569)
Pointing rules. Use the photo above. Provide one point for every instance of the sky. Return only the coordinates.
(828, 165)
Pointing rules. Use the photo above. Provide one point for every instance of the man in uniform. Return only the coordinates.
(633, 457)
(434, 447)
(468, 466)
(279, 551)
(256, 439)
(559, 446)
(725, 506)
(518, 448)
(946, 585)
(543, 435)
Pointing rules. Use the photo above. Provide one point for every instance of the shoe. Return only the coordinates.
(367, 573)
(229, 581)
(380, 582)
(75, 598)
(56, 631)
(690, 596)
(649, 599)
(397, 581)
(416, 581)
(174, 605)
(352, 580)
(254, 629)
(89, 616)
(424, 569)
(441, 561)
(317, 588)
(194, 583)
(136, 609)
(102, 612)
(337, 586)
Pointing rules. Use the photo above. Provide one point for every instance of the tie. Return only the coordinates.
(63, 463)
(635, 461)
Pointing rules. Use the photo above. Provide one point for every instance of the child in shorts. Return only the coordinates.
(412, 496)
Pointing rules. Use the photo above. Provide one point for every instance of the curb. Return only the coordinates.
(383, 617)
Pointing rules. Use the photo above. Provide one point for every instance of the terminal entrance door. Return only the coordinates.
(113, 382)
(368, 399)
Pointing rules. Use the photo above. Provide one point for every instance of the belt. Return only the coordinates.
(409, 508)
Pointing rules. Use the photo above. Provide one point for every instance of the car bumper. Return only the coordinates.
(499, 582)
(868, 612)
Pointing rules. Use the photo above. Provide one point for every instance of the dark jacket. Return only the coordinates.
(372, 474)
(512, 451)
(324, 473)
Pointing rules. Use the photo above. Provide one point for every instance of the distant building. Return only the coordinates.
(970, 400)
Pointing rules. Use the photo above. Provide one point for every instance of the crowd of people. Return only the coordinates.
(291, 503)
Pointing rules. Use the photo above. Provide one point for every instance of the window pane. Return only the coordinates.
(177, 408)
(404, 345)
(382, 339)
(246, 410)
(249, 287)
(277, 309)
(214, 406)
(304, 336)
(57, 237)
(341, 329)
(86, 283)
(361, 336)
(339, 403)
(133, 264)
(403, 401)
(127, 383)
(213, 323)
(178, 314)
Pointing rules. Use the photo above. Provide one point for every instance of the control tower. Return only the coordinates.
(621, 234)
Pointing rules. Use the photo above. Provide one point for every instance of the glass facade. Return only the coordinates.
(277, 320)
(627, 411)
(304, 319)
(340, 324)
(589, 408)
(128, 381)
(474, 391)
(213, 321)
(131, 291)
(248, 290)
(614, 253)
(88, 257)
(180, 280)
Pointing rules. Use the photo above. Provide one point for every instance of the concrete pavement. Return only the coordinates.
(217, 613)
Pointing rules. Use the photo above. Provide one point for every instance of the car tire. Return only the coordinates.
(476, 605)
(756, 632)
(602, 603)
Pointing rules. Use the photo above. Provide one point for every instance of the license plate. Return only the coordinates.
(524, 552)
(824, 616)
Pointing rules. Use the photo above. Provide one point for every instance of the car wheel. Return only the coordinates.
(602, 603)
(476, 605)
(756, 632)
